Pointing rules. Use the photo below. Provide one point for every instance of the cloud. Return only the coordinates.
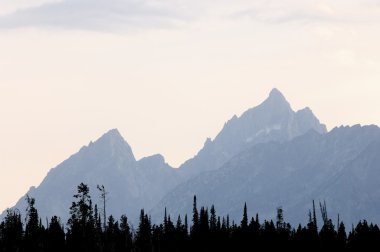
(317, 11)
(124, 15)
(10, 6)
(288, 11)
(106, 15)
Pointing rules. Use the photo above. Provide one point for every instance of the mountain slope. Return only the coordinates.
(273, 120)
(291, 174)
(270, 156)
(109, 161)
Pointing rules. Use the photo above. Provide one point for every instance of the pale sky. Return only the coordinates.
(169, 73)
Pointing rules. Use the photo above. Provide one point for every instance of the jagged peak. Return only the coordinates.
(157, 157)
(152, 161)
(112, 135)
(276, 93)
(305, 110)
(276, 97)
(275, 102)
(111, 142)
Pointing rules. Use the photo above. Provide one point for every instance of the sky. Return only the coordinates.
(169, 73)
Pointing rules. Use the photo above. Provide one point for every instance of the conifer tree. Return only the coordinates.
(244, 221)
(143, 235)
(213, 219)
(126, 235)
(33, 231)
(195, 227)
(81, 222)
(55, 236)
(12, 231)
(341, 236)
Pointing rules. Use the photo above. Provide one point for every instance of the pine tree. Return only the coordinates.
(55, 236)
(213, 219)
(165, 221)
(328, 235)
(143, 235)
(81, 223)
(12, 231)
(195, 227)
(341, 236)
(244, 221)
(312, 228)
(203, 221)
(81, 211)
(126, 235)
(32, 237)
(186, 225)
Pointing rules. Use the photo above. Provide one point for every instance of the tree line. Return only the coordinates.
(88, 230)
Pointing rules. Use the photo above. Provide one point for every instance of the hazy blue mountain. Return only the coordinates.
(109, 161)
(341, 167)
(273, 120)
(270, 156)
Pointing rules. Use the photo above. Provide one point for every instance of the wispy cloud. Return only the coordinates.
(108, 15)
(124, 15)
(296, 11)
(288, 11)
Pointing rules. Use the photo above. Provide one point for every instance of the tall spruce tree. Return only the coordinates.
(126, 235)
(213, 219)
(12, 231)
(33, 229)
(244, 220)
(195, 226)
(143, 242)
(55, 236)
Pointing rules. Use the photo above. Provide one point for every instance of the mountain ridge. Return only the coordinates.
(151, 183)
(289, 174)
(272, 120)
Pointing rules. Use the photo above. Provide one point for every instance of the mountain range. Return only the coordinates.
(268, 157)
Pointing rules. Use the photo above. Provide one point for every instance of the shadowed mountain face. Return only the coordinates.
(273, 120)
(270, 156)
(341, 167)
(109, 161)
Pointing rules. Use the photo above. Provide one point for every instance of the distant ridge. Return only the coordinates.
(269, 156)
(272, 120)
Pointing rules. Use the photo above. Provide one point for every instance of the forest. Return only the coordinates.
(90, 229)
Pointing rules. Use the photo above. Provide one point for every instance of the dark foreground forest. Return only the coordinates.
(86, 230)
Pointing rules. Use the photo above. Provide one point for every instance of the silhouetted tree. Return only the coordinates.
(211, 232)
(195, 226)
(125, 235)
(81, 224)
(55, 236)
(12, 231)
(213, 219)
(143, 235)
(341, 236)
(33, 229)
(244, 221)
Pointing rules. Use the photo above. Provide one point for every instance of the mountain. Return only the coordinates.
(270, 156)
(272, 120)
(133, 184)
(340, 167)
(109, 161)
